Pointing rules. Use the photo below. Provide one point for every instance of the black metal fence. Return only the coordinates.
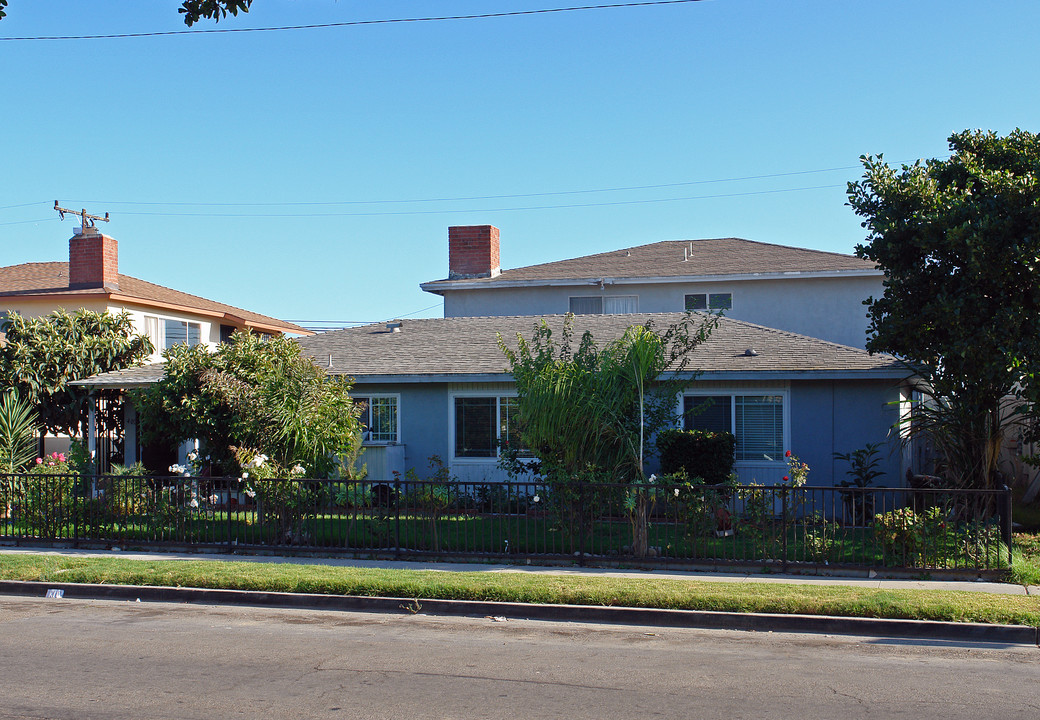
(771, 526)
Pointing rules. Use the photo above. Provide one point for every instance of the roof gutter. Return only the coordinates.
(438, 287)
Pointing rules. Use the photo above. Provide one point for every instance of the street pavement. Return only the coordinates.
(88, 659)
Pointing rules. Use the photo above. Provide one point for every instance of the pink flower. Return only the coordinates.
(39, 461)
(61, 457)
(787, 454)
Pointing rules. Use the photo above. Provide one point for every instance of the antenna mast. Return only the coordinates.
(84, 217)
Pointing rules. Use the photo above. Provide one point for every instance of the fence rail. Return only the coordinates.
(653, 524)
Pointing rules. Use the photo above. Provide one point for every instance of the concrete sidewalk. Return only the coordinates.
(694, 576)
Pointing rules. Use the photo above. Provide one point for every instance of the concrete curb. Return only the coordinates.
(702, 619)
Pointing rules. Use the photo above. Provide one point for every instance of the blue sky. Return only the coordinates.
(312, 174)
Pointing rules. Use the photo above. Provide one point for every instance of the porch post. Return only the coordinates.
(130, 455)
(92, 428)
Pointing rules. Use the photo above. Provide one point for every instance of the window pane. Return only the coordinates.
(176, 333)
(475, 421)
(151, 329)
(383, 412)
(509, 429)
(760, 427)
(697, 302)
(620, 304)
(587, 305)
(721, 301)
(194, 333)
(365, 418)
(708, 412)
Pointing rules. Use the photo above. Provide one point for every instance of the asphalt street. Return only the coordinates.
(62, 658)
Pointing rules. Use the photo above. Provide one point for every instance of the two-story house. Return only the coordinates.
(814, 293)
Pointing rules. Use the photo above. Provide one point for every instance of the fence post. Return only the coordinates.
(397, 517)
(227, 511)
(1005, 523)
(785, 519)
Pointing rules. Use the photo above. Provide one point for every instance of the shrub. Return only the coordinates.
(700, 453)
(909, 536)
(124, 490)
(47, 497)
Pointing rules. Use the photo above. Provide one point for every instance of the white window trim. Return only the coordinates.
(498, 395)
(397, 401)
(783, 392)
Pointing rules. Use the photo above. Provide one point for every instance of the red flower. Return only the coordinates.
(786, 478)
(787, 454)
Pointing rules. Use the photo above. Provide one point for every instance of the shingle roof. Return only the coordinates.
(469, 346)
(465, 347)
(52, 279)
(140, 376)
(677, 259)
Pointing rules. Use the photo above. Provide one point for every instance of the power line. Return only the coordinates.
(26, 222)
(500, 209)
(475, 197)
(351, 23)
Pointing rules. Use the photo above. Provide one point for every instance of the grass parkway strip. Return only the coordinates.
(663, 593)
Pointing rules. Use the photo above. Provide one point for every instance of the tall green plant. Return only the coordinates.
(18, 433)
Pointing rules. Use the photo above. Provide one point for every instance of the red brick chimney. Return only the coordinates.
(93, 260)
(473, 252)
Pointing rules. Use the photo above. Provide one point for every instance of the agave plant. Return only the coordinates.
(18, 433)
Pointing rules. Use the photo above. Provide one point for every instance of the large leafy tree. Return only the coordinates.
(959, 241)
(254, 393)
(42, 356)
(195, 10)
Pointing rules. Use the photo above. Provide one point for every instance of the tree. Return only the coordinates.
(42, 356)
(195, 10)
(959, 241)
(253, 393)
(586, 413)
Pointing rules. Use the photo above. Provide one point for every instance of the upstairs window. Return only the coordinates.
(709, 301)
(166, 333)
(604, 304)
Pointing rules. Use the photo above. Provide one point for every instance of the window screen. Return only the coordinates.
(475, 431)
(586, 305)
(708, 412)
(697, 302)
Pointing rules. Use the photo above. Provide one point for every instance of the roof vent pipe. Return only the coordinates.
(750, 352)
(394, 327)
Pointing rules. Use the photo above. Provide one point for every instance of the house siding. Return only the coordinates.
(827, 308)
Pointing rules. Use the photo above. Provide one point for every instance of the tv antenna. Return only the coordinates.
(84, 217)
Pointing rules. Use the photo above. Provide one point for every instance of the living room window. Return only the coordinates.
(756, 421)
(379, 418)
(709, 301)
(604, 304)
(484, 424)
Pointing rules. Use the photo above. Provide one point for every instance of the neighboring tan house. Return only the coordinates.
(91, 280)
(814, 293)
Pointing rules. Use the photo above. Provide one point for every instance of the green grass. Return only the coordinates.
(532, 588)
(1026, 567)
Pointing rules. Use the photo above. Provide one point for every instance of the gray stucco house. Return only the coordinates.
(441, 387)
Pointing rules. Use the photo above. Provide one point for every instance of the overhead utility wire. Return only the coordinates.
(501, 209)
(351, 23)
(474, 197)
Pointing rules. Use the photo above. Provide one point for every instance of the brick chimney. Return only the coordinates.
(473, 252)
(93, 260)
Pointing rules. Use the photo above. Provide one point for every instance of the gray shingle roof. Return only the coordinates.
(467, 348)
(677, 259)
